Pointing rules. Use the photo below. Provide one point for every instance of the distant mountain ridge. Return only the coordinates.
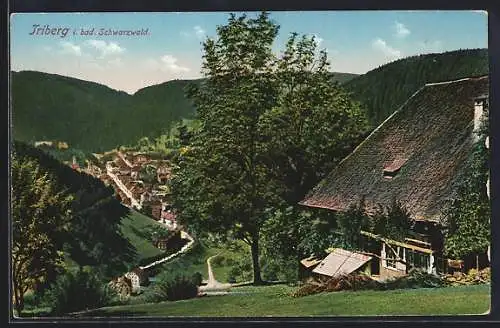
(384, 89)
(94, 117)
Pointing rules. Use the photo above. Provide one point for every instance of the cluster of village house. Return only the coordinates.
(123, 173)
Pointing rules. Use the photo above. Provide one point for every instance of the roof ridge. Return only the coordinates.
(367, 139)
(458, 80)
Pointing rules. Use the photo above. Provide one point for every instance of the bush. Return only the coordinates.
(337, 283)
(218, 260)
(173, 288)
(241, 270)
(416, 278)
(282, 269)
(78, 291)
(197, 278)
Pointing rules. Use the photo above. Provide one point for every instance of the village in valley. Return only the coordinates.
(271, 184)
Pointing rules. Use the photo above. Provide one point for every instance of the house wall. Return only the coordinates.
(390, 273)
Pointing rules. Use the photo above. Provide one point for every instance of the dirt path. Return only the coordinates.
(213, 286)
(184, 249)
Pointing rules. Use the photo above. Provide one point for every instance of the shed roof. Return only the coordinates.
(341, 261)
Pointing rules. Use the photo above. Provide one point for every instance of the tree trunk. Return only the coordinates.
(18, 298)
(257, 279)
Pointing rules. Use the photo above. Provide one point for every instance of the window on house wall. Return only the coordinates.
(392, 169)
(391, 256)
(417, 260)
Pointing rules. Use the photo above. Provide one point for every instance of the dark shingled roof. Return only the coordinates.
(421, 148)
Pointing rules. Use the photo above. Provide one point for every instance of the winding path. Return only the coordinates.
(184, 249)
(213, 286)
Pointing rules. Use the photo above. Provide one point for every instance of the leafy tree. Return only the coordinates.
(40, 214)
(93, 234)
(313, 126)
(394, 222)
(468, 217)
(148, 174)
(221, 184)
(271, 128)
(350, 224)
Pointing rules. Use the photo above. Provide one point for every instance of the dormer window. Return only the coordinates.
(393, 168)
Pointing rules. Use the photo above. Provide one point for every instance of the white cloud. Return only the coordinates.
(166, 63)
(169, 63)
(71, 48)
(401, 30)
(47, 48)
(199, 32)
(105, 48)
(380, 45)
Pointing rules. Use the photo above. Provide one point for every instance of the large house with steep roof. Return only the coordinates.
(417, 157)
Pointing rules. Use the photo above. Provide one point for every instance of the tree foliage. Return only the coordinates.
(76, 291)
(40, 216)
(93, 236)
(393, 222)
(468, 217)
(270, 128)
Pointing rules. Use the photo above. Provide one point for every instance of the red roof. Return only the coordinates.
(168, 216)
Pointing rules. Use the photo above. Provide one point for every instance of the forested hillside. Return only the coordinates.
(90, 116)
(93, 117)
(387, 87)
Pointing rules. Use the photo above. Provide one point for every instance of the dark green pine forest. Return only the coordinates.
(90, 116)
(94, 118)
(384, 89)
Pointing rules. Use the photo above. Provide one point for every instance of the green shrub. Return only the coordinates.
(218, 260)
(241, 270)
(197, 278)
(173, 288)
(78, 291)
(416, 278)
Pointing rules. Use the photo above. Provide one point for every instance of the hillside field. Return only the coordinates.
(132, 227)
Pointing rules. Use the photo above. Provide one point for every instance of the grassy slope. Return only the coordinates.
(275, 301)
(196, 261)
(132, 228)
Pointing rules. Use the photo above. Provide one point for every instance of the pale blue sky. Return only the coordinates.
(357, 41)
